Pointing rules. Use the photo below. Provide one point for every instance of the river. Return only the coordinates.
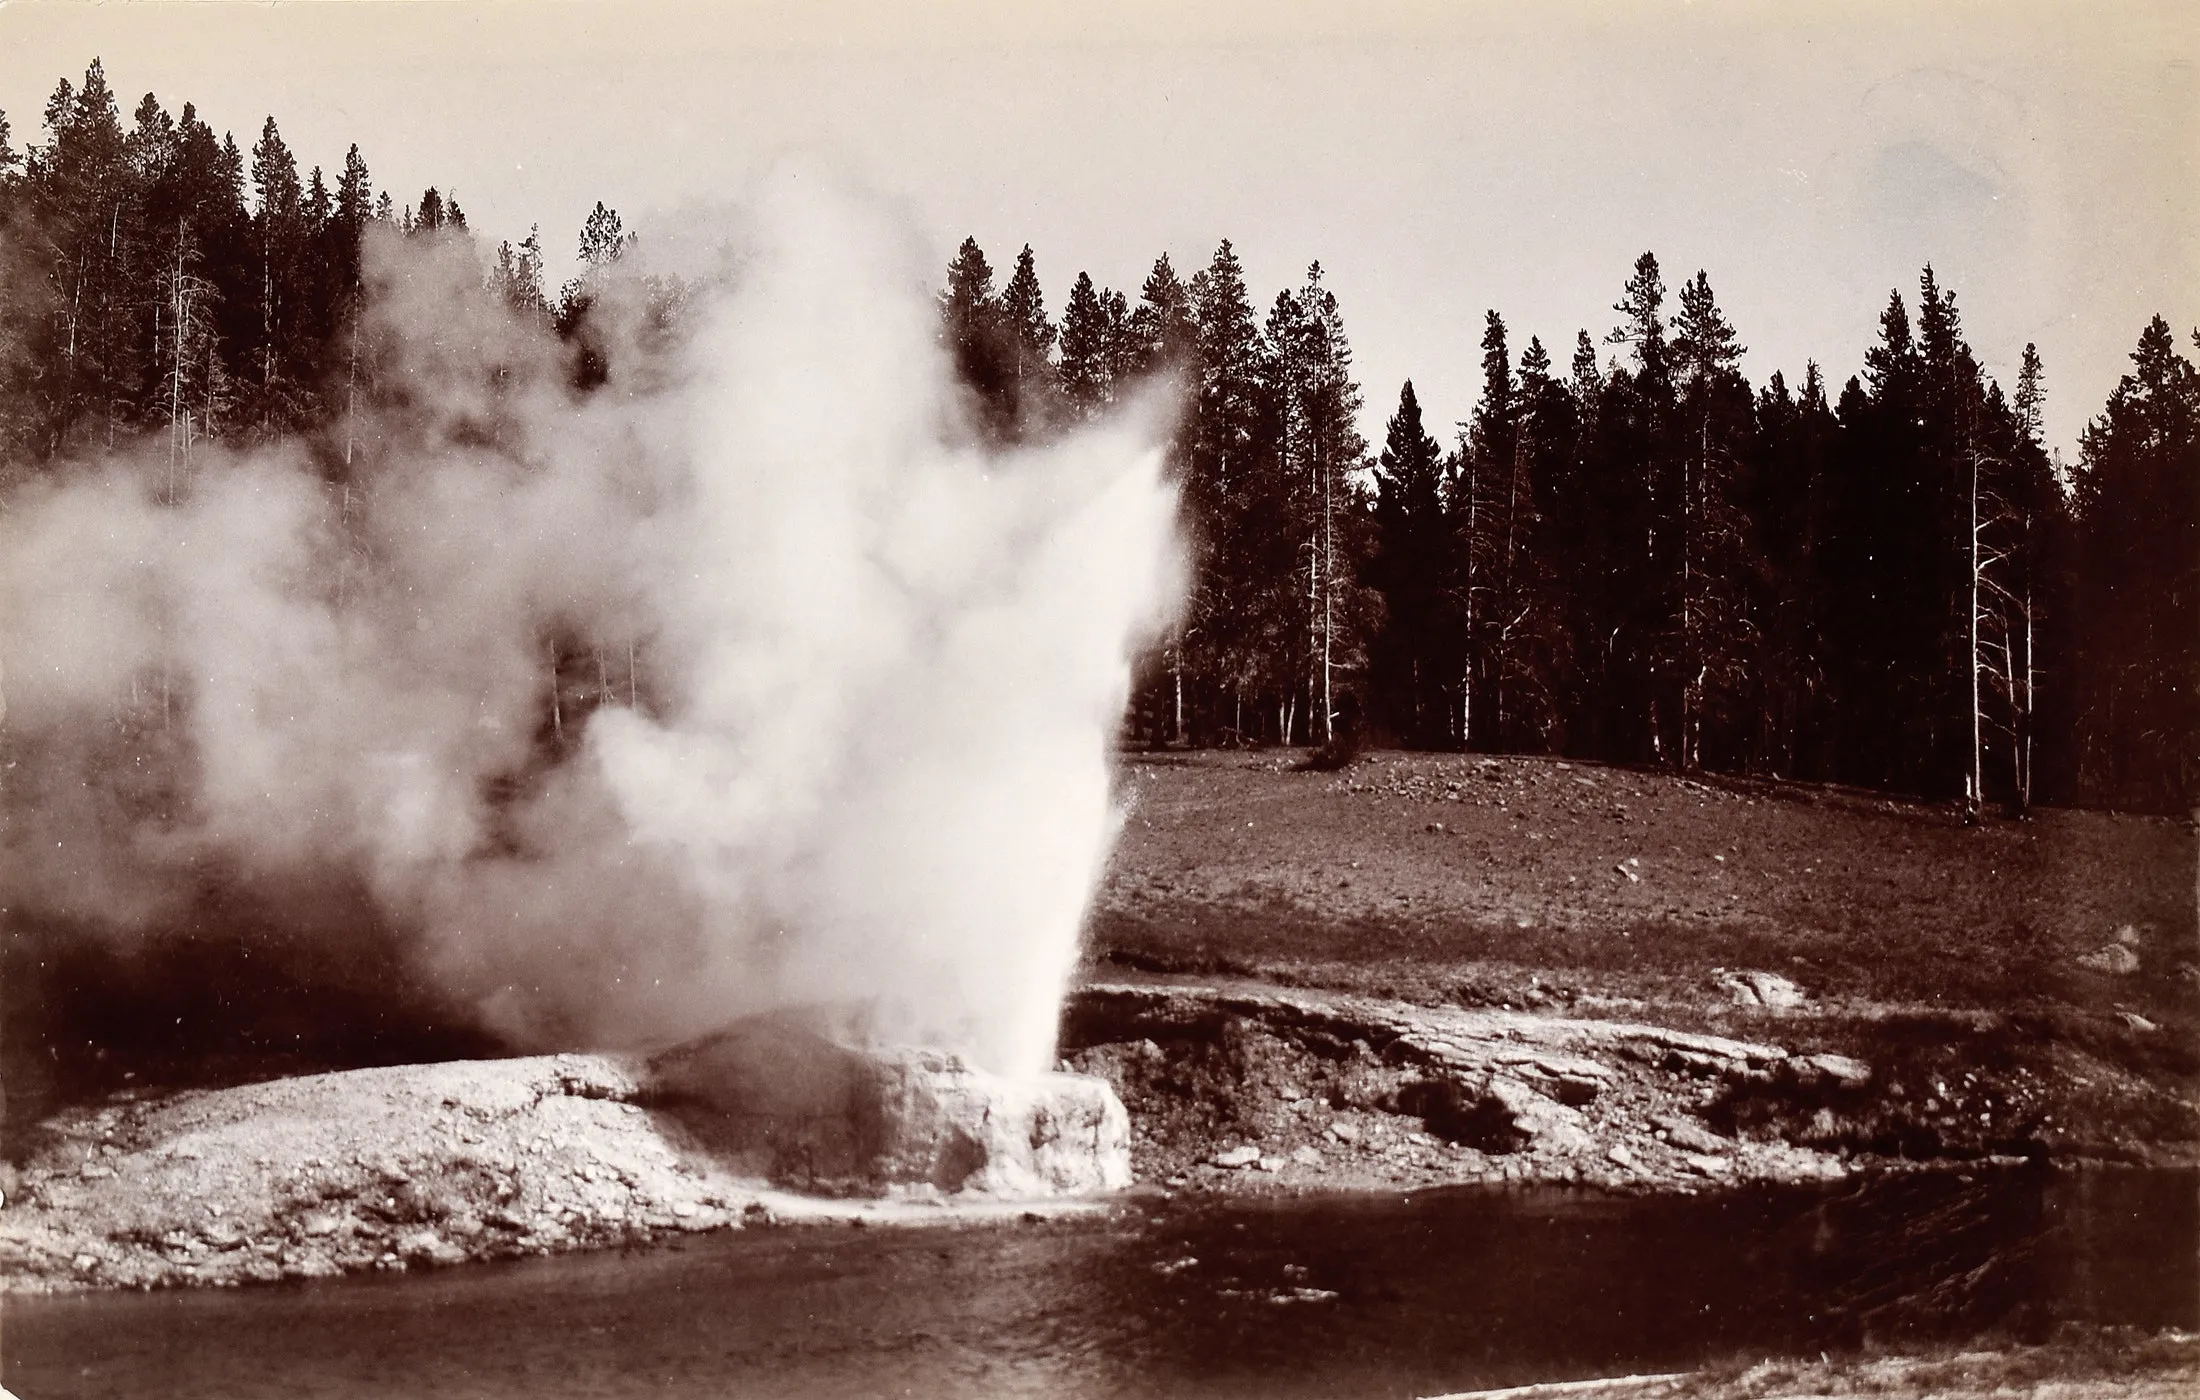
(1319, 1296)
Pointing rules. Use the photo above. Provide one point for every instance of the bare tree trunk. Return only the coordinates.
(1466, 670)
(1692, 668)
(1972, 784)
(179, 418)
(1176, 667)
(1329, 707)
(2024, 780)
(351, 391)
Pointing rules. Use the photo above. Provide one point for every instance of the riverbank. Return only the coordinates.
(1310, 963)
(2086, 1364)
(420, 1166)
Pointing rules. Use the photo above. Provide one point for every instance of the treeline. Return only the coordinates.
(1639, 557)
(157, 278)
(1642, 557)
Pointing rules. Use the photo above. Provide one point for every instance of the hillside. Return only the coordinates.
(2017, 989)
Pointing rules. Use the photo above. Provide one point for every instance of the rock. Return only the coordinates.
(1704, 1164)
(427, 1247)
(1574, 1090)
(1619, 1156)
(1759, 989)
(1689, 1135)
(2137, 1022)
(1307, 1156)
(1343, 1131)
(2115, 959)
(776, 1097)
(1543, 1122)
(1270, 1164)
(1504, 1115)
(221, 1234)
(2128, 935)
(1697, 1063)
(1846, 1072)
(1243, 1155)
(317, 1222)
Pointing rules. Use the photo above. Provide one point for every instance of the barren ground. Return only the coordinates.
(2019, 989)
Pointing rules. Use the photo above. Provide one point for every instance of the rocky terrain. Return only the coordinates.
(2082, 1367)
(1245, 1087)
(413, 1166)
(1448, 967)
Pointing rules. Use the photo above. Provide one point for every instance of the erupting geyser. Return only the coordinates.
(743, 680)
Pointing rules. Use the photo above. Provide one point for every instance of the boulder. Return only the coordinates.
(776, 1098)
(1504, 1115)
(1844, 1071)
(2115, 959)
(1689, 1135)
(1759, 989)
(1542, 1122)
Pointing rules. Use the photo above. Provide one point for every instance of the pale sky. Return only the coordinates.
(1439, 159)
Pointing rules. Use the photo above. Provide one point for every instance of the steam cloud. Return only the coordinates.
(861, 676)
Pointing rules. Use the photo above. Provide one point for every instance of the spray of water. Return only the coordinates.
(846, 682)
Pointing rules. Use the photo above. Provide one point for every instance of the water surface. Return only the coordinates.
(1381, 1296)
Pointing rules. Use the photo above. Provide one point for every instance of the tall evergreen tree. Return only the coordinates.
(1713, 634)
(1030, 336)
(2136, 670)
(1532, 644)
(1787, 507)
(81, 193)
(1234, 640)
(282, 368)
(1415, 655)
(1310, 369)
(1087, 367)
(1164, 328)
(970, 328)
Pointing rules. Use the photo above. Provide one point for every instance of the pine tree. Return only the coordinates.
(1087, 369)
(1164, 328)
(1310, 369)
(1415, 655)
(282, 368)
(1123, 356)
(1232, 643)
(1487, 498)
(1532, 643)
(1787, 507)
(1628, 609)
(1714, 635)
(971, 330)
(1030, 336)
(2137, 662)
(81, 195)
(603, 237)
